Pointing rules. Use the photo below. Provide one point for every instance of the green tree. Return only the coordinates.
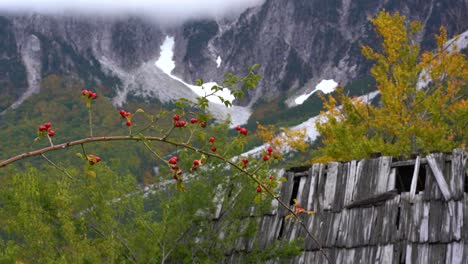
(50, 216)
(410, 118)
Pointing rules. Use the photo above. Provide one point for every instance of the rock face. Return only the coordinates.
(296, 42)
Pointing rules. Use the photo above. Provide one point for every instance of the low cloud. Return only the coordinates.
(173, 10)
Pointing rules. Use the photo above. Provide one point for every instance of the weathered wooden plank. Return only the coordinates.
(457, 177)
(312, 187)
(424, 227)
(451, 226)
(419, 222)
(455, 253)
(359, 177)
(350, 182)
(359, 230)
(431, 189)
(342, 233)
(377, 225)
(437, 168)
(465, 218)
(417, 253)
(286, 192)
(374, 200)
(304, 197)
(311, 225)
(384, 181)
(330, 185)
(322, 177)
(437, 212)
(268, 234)
(338, 202)
(384, 254)
(457, 225)
(346, 256)
(300, 191)
(323, 226)
(437, 253)
(335, 219)
(394, 215)
(368, 183)
(414, 180)
(406, 212)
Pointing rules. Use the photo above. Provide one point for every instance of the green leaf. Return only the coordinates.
(283, 179)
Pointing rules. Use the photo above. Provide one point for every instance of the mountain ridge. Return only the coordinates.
(297, 43)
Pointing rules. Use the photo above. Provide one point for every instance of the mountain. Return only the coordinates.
(298, 43)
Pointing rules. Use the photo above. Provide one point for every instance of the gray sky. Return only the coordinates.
(160, 9)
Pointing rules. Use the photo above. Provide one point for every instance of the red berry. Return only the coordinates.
(176, 124)
(84, 92)
(203, 124)
(183, 123)
(91, 162)
(271, 177)
(48, 125)
(98, 159)
(51, 133)
(174, 176)
(193, 120)
(42, 128)
(173, 160)
(243, 131)
(196, 162)
(259, 189)
(176, 117)
(212, 139)
(266, 158)
(245, 161)
(270, 150)
(175, 167)
(213, 148)
(238, 128)
(129, 123)
(122, 113)
(127, 114)
(179, 172)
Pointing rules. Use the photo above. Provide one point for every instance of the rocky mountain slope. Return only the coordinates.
(297, 43)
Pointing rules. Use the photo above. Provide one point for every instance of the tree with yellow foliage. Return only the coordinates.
(411, 117)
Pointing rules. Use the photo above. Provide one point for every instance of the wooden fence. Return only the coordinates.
(375, 211)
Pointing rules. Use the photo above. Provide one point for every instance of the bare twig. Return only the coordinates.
(90, 115)
(57, 167)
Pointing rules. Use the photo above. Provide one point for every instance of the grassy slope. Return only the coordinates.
(60, 102)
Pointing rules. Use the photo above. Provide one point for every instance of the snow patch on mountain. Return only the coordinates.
(218, 61)
(326, 86)
(167, 64)
(238, 115)
(309, 127)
